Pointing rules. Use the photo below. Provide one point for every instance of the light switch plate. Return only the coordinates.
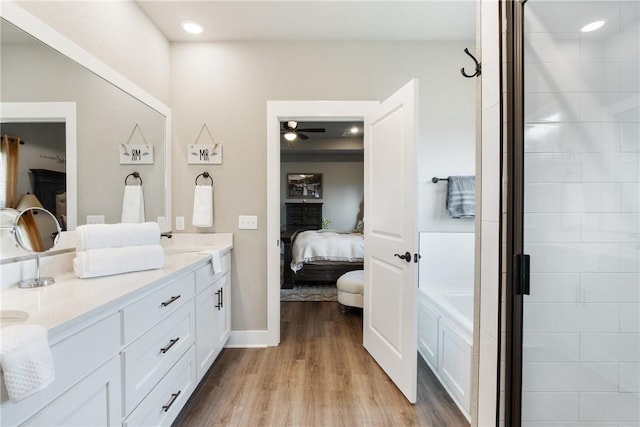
(248, 222)
(95, 219)
(179, 223)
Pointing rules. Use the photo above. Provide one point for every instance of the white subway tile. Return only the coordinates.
(573, 257)
(552, 167)
(609, 406)
(572, 77)
(630, 137)
(551, 47)
(552, 107)
(603, 106)
(572, 197)
(611, 227)
(610, 167)
(546, 376)
(598, 46)
(630, 197)
(490, 55)
(610, 287)
(630, 16)
(487, 379)
(544, 406)
(569, 17)
(630, 377)
(567, 317)
(572, 137)
(629, 257)
(630, 317)
(554, 287)
(551, 347)
(611, 347)
(630, 76)
(552, 227)
(491, 165)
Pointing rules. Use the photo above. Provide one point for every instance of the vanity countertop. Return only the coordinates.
(70, 301)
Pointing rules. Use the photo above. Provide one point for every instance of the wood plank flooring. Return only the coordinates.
(319, 375)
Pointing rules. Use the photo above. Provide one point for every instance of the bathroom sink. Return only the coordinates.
(12, 317)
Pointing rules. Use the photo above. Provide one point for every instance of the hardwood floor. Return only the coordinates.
(319, 375)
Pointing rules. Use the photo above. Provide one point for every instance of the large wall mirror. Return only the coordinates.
(72, 113)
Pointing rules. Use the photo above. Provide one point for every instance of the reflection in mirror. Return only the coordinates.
(34, 75)
(36, 230)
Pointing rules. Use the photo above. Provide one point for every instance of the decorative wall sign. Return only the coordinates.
(210, 154)
(136, 154)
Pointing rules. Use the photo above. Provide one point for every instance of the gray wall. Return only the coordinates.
(227, 85)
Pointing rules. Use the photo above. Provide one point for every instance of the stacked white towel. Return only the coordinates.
(133, 204)
(203, 206)
(26, 360)
(107, 249)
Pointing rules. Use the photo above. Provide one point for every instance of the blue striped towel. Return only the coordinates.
(461, 196)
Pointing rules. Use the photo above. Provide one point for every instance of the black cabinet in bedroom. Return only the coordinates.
(303, 215)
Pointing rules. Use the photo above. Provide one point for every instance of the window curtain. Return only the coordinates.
(8, 171)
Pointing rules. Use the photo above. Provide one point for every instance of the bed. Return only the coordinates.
(321, 256)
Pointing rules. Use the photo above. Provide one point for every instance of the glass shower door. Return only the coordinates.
(581, 321)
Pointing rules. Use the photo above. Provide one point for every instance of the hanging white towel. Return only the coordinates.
(26, 360)
(203, 206)
(133, 204)
(96, 236)
(216, 260)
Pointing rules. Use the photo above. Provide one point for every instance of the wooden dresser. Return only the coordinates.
(303, 215)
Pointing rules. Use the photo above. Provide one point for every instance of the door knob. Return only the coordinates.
(406, 256)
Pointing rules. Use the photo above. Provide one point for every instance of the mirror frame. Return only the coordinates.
(47, 35)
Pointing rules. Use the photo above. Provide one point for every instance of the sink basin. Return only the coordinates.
(12, 317)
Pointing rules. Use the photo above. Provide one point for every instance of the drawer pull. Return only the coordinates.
(171, 344)
(170, 300)
(174, 396)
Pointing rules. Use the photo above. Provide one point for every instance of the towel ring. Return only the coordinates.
(204, 175)
(136, 175)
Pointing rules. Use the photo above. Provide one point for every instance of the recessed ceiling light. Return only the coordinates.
(592, 26)
(192, 27)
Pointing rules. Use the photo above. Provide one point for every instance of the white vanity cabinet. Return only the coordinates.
(213, 317)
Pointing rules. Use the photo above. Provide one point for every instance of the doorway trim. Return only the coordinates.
(277, 111)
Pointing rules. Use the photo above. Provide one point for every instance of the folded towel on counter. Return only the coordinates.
(133, 204)
(461, 196)
(97, 236)
(203, 206)
(26, 360)
(216, 260)
(109, 261)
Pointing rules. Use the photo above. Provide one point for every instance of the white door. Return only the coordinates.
(390, 218)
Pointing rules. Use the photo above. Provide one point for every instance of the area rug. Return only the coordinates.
(310, 293)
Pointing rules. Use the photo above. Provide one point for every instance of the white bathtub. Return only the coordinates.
(445, 340)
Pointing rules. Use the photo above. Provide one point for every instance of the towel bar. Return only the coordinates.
(135, 175)
(204, 175)
(436, 179)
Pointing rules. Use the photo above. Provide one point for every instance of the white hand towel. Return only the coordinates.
(216, 260)
(26, 360)
(203, 206)
(97, 236)
(133, 204)
(109, 261)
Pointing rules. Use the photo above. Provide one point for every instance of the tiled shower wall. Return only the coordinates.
(582, 222)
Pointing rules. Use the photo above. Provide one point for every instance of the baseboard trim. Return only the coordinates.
(248, 339)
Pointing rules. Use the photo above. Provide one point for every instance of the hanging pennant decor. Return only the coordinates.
(136, 154)
(210, 154)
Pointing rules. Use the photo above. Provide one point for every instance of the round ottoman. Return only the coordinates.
(351, 288)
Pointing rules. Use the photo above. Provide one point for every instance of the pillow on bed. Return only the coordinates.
(359, 227)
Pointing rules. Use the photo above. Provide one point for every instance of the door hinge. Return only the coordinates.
(521, 268)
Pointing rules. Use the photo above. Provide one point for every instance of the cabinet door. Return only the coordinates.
(94, 401)
(206, 313)
(223, 315)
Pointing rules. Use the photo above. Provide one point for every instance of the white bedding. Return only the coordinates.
(319, 245)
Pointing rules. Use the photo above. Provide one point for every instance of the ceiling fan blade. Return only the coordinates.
(302, 136)
(312, 130)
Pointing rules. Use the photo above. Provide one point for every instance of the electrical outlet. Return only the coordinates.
(248, 222)
(95, 219)
(179, 223)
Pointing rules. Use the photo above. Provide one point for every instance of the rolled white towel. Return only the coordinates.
(97, 236)
(109, 261)
(26, 360)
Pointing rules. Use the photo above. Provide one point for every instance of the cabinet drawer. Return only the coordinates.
(149, 357)
(164, 402)
(205, 275)
(146, 312)
(73, 357)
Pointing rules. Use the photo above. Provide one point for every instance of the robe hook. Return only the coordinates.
(478, 66)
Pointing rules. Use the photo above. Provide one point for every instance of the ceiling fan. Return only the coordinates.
(291, 132)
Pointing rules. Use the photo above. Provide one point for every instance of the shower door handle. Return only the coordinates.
(406, 256)
(521, 268)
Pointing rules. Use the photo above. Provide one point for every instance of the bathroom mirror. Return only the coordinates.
(36, 230)
(96, 118)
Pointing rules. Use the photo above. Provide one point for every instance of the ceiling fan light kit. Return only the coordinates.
(291, 132)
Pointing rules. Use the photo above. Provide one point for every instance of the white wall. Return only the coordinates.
(227, 86)
(582, 216)
(116, 32)
(342, 190)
